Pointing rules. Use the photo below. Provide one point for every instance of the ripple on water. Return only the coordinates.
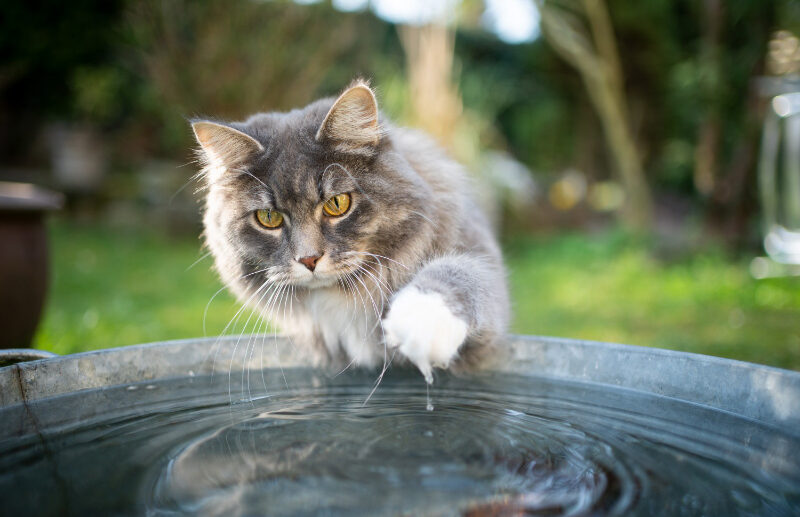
(493, 445)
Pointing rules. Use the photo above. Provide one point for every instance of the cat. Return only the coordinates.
(358, 239)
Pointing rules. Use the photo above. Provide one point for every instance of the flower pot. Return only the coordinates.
(23, 260)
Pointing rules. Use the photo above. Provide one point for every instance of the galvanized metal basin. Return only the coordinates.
(556, 426)
(770, 395)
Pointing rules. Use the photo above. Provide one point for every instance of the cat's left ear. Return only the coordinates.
(352, 125)
(223, 146)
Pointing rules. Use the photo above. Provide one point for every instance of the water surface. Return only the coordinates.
(299, 442)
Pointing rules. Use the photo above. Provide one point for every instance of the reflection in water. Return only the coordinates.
(493, 445)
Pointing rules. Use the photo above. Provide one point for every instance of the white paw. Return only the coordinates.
(424, 329)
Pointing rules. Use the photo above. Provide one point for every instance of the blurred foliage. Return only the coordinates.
(139, 69)
(97, 91)
(540, 106)
(231, 59)
(44, 48)
(106, 292)
(43, 44)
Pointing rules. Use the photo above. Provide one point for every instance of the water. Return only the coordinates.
(479, 446)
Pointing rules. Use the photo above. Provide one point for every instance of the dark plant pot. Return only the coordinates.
(23, 260)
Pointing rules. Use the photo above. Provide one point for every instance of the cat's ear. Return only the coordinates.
(223, 146)
(352, 125)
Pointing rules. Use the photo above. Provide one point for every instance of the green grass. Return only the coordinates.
(114, 287)
(609, 288)
(120, 287)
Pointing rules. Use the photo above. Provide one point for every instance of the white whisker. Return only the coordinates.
(423, 216)
(378, 256)
(351, 177)
(378, 313)
(238, 340)
(205, 311)
(251, 175)
(351, 363)
(380, 377)
(203, 257)
(236, 318)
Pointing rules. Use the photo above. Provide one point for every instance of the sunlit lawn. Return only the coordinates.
(608, 288)
(113, 287)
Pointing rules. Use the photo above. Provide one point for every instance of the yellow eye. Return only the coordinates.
(269, 218)
(337, 205)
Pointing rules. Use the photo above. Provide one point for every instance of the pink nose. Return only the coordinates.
(310, 262)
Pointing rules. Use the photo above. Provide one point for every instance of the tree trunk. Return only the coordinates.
(435, 102)
(592, 51)
(706, 157)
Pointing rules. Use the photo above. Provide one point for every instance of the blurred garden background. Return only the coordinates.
(622, 148)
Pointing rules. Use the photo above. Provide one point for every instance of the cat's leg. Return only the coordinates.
(453, 302)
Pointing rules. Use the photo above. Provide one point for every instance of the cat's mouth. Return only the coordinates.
(325, 276)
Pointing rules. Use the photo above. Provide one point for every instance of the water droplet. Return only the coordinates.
(429, 402)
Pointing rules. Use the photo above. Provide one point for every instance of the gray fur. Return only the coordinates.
(412, 222)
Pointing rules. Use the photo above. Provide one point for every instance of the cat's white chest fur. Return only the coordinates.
(345, 325)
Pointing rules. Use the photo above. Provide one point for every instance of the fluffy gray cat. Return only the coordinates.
(357, 238)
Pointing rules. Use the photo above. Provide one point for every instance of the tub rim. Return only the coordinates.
(767, 394)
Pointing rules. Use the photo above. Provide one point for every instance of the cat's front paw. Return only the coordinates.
(424, 329)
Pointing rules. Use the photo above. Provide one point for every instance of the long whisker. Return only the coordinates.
(369, 294)
(278, 355)
(378, 324)
(351, 177)
(252, 176)
(381, 283)
(423, 216)
(377, 276)
(250, 341)
(283, 302)
(380, 378)
(205, 311)
(203, 257)
(194, 177)
(363, 300)
(265, 312)
(238, 340)
(261, 322)
(235, 317)
(378, 256)
(378, 312)
(345, 289)
(351, 363)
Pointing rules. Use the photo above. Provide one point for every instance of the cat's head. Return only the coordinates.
(307, 197)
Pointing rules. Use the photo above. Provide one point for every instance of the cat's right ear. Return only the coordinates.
(352, 125)
(224, 147)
